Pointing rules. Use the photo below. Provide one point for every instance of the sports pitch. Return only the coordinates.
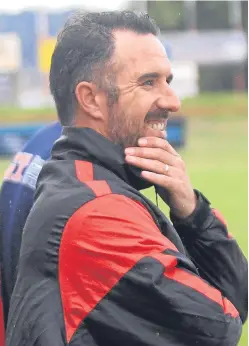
(216, 159)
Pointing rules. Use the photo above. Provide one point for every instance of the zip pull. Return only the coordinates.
(156, 197)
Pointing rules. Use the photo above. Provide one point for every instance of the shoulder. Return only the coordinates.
(43, 140)
(116, 206)
(111, 218)
(27, 164)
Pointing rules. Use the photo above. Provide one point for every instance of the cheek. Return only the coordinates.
(137, 105)
(103, 106)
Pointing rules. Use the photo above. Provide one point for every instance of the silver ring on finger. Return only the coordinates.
(166, 167)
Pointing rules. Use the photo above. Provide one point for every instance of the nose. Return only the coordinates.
(169, 100)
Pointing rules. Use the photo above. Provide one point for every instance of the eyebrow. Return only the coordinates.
(154, 75)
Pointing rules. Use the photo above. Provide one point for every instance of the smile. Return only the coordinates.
(158, 125)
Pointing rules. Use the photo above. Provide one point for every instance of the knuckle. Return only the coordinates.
(152, 141)
(165, 145)
(180, 162)
(141, 152)
(159, 142)
(159, 167)
(160, 152)
(156, 153)
(168, 184)
(138, 160)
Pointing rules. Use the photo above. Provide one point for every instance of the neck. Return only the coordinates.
(85, 144)
(84, 121)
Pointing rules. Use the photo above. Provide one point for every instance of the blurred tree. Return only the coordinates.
(169, 15)
(225, 77)
(204, 16)
(212, 15)
(244, 8)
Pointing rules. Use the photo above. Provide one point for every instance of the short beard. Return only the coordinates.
(122, 131)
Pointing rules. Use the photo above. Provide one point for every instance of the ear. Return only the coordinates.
(87, 96)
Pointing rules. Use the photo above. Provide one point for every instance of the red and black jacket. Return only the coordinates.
(100, 265)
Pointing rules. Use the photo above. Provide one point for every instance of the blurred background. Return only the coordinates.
(207, 42)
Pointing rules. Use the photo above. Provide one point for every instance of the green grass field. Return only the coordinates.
(216, 158)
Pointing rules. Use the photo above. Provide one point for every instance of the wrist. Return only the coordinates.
(197, 218)
(186, 210)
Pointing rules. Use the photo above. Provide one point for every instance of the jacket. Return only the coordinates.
(100, 265)
(16, 199)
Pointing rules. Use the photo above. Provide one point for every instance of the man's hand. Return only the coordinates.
(163, 166)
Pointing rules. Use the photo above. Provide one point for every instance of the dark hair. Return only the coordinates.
(83, 52)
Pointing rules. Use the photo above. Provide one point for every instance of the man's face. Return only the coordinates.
(145, 96)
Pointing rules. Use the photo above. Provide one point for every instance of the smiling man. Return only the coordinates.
(100, 264)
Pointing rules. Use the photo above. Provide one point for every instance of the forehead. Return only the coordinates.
(140, 53)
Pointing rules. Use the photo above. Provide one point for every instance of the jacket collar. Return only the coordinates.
(87, 144)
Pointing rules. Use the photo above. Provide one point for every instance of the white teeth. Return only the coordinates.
(157, 126)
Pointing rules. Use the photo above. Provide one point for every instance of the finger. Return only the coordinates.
(155, 142)
(154, 166)
(153, 154)
(158, 179)
(151, 133)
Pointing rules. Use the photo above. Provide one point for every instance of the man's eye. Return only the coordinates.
(149, 82)
(169, 79)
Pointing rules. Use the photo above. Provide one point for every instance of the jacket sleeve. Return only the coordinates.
(129, 285)
(215, 252)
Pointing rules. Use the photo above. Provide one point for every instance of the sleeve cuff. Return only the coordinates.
(197, 220)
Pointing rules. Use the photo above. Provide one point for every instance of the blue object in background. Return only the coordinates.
(28, 25)
(24, 25)
(177, 131)
(56, 21)
(17, 192)
(168, 49)
(13, 138)
(16, 199)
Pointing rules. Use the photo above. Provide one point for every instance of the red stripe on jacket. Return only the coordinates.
(196, 283)
(101, 242)
(84, 172)
(221, 218)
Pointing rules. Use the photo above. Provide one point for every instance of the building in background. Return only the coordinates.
(206, 41)
(212, 35)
